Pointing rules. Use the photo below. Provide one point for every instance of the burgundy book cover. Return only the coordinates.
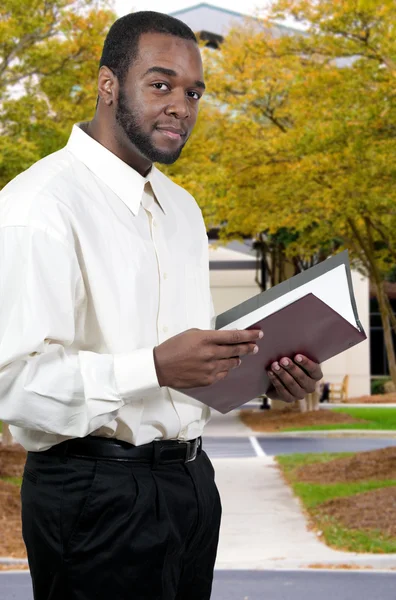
(307, 326)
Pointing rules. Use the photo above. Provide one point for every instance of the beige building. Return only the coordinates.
(233, 268)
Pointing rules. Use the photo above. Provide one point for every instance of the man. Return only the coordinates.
(105, 311)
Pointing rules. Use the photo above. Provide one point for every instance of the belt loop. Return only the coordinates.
(156, 454)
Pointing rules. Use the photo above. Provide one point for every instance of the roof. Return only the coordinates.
(207, 5)
(219, 21)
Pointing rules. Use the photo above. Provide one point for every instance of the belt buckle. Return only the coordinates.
(191, 453)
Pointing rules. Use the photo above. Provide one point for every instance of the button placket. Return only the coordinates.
(164, 314)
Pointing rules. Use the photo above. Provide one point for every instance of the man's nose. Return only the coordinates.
(179, 105)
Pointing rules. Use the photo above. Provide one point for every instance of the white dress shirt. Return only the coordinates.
(95, 271)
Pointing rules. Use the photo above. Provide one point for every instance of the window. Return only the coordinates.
(378, 359)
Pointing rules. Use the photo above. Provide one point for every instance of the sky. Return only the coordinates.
(167, 6)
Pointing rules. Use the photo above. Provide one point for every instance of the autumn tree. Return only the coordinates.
(302, 135)
(49, 54)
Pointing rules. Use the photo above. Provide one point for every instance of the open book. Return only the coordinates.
(313, 313)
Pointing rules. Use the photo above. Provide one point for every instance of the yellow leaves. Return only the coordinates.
(295, 141)
(50, 51)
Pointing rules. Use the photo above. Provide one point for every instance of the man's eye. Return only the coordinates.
(160, 86)
(194, 95)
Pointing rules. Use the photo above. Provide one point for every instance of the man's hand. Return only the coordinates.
(293, 379)
(197, 358)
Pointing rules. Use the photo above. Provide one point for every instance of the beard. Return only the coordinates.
(129, 121)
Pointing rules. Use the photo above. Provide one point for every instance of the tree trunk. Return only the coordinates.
(368, 247)
(7, 437)
(392, 315)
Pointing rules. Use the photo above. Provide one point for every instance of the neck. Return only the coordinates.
(118, 145)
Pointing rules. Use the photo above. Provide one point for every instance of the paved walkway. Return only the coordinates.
(263, 525)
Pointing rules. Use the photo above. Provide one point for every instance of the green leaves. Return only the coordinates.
(49, 56)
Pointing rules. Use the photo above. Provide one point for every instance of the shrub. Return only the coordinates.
(377, 385)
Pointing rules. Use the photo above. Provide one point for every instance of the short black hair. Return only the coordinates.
(121, 45)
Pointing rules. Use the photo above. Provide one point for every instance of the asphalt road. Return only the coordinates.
(303, 585)
(280, 445)
(232, 447)
(263, 585)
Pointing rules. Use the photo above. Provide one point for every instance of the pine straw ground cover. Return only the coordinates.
(375, 399)
(12, 461)
(373, 417)
(292, 418)
(350, 499)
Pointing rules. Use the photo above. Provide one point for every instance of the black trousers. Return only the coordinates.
(96, 529)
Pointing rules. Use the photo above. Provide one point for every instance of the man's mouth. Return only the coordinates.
(173, 134)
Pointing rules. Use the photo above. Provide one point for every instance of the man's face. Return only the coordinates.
(158, 101)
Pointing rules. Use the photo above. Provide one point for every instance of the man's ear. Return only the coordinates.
(107, 86)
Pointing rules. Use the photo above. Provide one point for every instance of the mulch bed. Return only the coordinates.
(12, 461)
(377, 399)
(11, 543)
(374, 465)
(374, 510)
(276, 420)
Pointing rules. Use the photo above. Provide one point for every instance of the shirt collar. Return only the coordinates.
(124, 181)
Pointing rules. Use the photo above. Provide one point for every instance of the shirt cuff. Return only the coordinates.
(135, 373)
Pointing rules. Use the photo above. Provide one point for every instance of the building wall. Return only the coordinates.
(356, 361)
(230, 288)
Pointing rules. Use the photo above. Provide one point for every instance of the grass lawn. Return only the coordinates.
(314, 495)
(375, 418)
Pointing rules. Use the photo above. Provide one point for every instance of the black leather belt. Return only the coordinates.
(160, 452)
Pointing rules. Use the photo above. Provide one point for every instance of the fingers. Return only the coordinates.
(286, 386)
(311, 367)
(281, 392)
(235, 336)
(235, 350)
(227, 344)
(289, 372)
(294, 380)
(228, 364)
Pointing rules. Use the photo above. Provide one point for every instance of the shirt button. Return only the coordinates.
(165, 329)
(154, 223)
(165, 275)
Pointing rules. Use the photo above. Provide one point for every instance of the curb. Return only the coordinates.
(363, 433)
(372, 562)
(345, 563)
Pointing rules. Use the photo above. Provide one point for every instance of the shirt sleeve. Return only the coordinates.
(46, 383)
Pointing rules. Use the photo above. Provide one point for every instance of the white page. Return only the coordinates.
(331, 287)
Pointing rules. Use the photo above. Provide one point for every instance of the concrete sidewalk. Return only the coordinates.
(263, 525)
(229, 425)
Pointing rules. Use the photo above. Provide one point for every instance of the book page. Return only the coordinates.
(331, 287)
